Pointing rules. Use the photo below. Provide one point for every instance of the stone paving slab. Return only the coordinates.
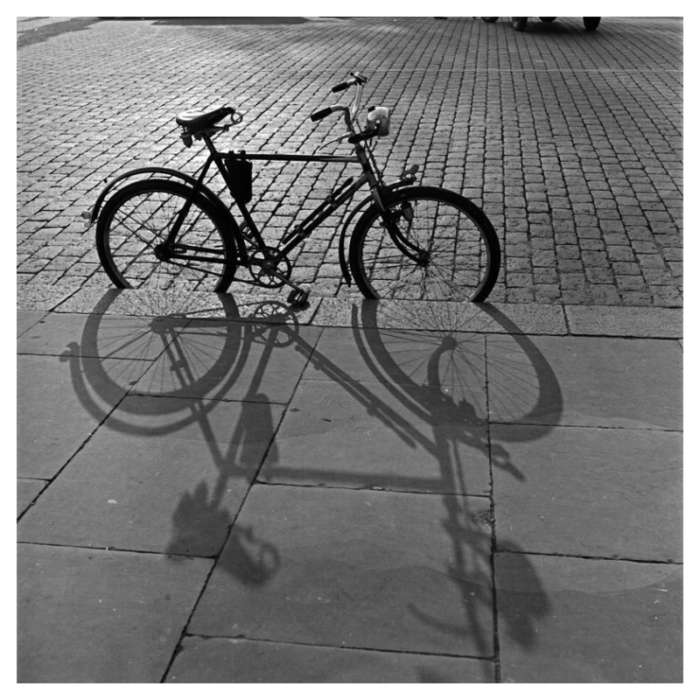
(56, 413)
(363, 437)
(625, 321)
(509, 319)
(350, 569)
(91, 616)
(443, 316)
(27, 319)
(592, 492)
(27, 491)
(186, 304)
(240, 661)
(595, 382)
(571, 620)
(153, 487)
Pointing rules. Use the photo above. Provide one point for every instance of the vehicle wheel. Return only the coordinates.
(430, 244)
(489, 19)
(519, 23)
(591, 23)
(131, 240)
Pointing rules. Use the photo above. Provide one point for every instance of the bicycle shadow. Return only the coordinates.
(163, 372)
(523, 387)
(440, 422)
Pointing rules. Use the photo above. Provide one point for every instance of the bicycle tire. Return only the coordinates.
(132, 228)
(458, 252)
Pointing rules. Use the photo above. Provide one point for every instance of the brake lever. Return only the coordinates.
(337, 140)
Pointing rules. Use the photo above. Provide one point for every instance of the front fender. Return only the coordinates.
(342, 257)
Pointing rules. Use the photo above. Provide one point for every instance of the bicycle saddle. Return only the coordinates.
(196, 120)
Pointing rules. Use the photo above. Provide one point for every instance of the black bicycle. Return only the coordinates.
(170, 230)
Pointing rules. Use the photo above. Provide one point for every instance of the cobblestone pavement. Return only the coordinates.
(570, 140)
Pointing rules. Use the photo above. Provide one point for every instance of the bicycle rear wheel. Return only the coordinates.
(430, 244)
(132, 244)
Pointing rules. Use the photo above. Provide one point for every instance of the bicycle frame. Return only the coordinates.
(344, 193)
(251, 234)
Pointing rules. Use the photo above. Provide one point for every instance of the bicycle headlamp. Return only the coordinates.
(378, 118)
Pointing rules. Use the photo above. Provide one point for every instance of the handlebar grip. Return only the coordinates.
(321, 114)
(341, 86)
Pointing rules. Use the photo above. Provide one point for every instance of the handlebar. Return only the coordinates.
(358, 81)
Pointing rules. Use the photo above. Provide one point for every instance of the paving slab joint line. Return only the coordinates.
(588, 557)
(243, 637)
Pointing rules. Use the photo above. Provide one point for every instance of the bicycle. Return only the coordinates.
(171, 230)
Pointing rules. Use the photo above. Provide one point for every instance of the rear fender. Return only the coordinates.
(222, 210)
(92, 214)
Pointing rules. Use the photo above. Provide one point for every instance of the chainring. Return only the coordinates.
(271, 259)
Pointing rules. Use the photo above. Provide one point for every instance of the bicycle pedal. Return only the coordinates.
(298, 297)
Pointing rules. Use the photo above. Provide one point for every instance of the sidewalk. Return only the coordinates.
(355, 492)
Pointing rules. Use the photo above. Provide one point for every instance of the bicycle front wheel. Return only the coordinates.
(137, 251)
(429, 244)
